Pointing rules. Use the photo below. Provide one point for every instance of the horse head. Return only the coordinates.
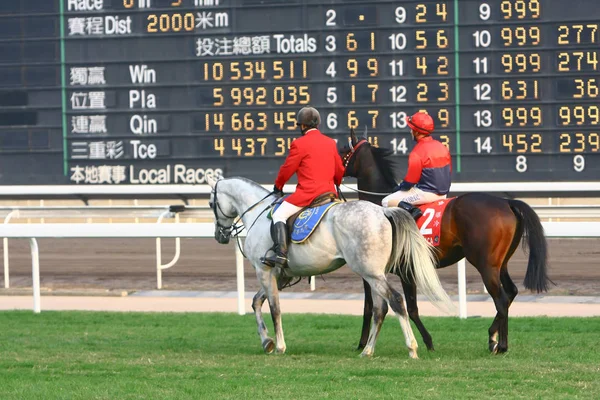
(348, 152)
(223, 208)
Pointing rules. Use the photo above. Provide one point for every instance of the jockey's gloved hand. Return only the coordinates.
(397, 188)
(277, 191)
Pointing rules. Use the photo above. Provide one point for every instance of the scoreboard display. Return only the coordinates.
(170, 91)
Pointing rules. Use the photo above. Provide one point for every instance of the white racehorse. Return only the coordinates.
(371, 239)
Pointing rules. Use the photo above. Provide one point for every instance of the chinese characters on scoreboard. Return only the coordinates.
(87, 99)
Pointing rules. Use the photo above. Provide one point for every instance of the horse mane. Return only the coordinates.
(385, 164)
(248, 181)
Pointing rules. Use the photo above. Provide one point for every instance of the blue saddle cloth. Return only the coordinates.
(306, 222)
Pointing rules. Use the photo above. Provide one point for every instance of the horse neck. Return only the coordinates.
(371, 179)
(244, 195)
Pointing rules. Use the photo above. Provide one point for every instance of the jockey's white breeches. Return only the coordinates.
(285, 211)
(413, 196)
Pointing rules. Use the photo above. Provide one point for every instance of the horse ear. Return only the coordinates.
(211, 181)
(365, 133)
(353, 136)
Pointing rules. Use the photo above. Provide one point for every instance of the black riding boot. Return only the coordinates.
(412, 210)
(279, 234)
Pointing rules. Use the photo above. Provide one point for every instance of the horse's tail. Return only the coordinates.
(413, 255)
(536, 277)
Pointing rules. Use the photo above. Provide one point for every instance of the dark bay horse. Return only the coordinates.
(483, 228)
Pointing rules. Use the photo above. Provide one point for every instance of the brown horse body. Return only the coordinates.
(484, 229)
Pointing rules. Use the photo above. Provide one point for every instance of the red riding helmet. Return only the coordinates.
(421, 122)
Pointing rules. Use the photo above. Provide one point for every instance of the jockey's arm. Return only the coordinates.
(339, 170)
(289, 168)
(413, 175)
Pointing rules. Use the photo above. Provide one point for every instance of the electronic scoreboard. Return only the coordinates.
(167, 91)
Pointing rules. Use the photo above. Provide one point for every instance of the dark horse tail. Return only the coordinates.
(536, 277)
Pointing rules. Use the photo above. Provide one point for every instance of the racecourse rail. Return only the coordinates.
(31, 231)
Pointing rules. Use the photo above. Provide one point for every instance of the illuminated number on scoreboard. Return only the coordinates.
(442, 65)
(330, 43)
(581, 34)
(579, 115)
(171, 23)
(351, 43)
(585, 88)
(520, 90)
(443, 117)
(579, 142)
(352, 67)
(521, 62)
(421, 12)
(522, 116)
(522, 142)
(578, 61)
(520, 9)
(521, 36)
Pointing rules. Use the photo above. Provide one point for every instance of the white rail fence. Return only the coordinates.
(178, 230)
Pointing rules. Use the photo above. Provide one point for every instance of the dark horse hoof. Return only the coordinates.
(268, 346)
(495, 348)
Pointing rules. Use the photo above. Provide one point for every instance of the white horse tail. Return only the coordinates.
(413, 256)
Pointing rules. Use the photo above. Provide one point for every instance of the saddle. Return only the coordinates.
(303, 223)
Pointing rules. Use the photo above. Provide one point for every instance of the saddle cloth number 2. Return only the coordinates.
(425, 229)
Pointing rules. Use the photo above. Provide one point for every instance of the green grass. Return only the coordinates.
(81, 355)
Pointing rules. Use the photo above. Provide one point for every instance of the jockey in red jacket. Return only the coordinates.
(429, 169)
(315, 160)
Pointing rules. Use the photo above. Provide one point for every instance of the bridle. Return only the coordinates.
(236, 227)
(353, 150)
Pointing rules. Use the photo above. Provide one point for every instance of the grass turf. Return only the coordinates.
(98, 355)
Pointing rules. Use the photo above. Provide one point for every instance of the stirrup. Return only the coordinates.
(275, 260)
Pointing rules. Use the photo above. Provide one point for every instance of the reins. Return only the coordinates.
(235, 228)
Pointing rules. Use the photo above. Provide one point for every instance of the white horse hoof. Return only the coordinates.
(366, 354)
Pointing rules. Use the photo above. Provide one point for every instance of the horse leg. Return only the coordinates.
(257, 303)
(511, 291)
(381, 287)
(268, 278)
(410, 292)
(368, 314)
(498, 331)
(378, 311)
